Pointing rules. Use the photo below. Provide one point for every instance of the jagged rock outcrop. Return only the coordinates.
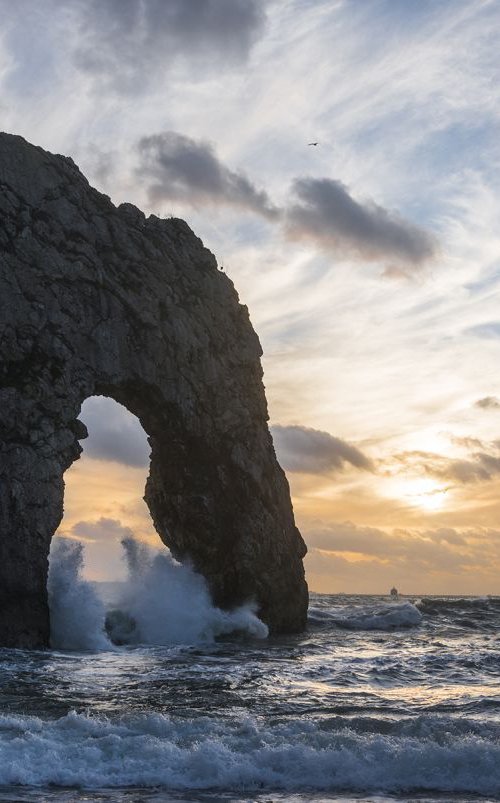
(96, 299)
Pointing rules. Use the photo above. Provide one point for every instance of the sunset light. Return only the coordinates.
(424, 493)
(250, 401)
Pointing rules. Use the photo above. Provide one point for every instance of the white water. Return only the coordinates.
(163, 602)
(77, 613)
(389, 616)
(391, 704)
(208, 753)
(385, 617)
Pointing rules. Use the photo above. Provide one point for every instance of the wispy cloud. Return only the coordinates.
(326, 214)
(311, 451)
(179, 168)
(481, 465)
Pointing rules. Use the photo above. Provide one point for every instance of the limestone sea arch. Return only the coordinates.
(96, 299)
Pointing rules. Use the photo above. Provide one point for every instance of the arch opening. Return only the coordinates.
(104, 489)
(111, 581)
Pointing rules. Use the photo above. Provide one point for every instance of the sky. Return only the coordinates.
(370, 261)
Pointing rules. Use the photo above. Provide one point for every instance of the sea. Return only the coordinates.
(150, 693)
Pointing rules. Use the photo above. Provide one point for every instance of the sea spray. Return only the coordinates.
(166, 602)
(163, 602)
(77, 613)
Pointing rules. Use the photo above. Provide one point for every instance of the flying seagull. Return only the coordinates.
(313, 143)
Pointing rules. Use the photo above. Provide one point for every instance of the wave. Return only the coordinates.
(77, 613)
(207, 753)
(163, 603)
(388, 616)
(435, 605)
(357, 612)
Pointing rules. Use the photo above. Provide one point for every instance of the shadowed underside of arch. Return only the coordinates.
(102, 300)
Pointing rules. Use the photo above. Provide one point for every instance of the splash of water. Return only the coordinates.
(77, 613)
(163, 602)
(169, 603)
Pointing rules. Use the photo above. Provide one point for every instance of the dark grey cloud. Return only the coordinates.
(327, 214)
(130, 44)
(114, 433)
(179, 168)
(312, 451)
(488, 403)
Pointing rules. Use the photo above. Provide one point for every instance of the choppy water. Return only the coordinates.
(377, 701)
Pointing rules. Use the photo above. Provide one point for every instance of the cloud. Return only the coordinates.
(188, 170)
(466, 471)
(361, 559)
(355, 559)
(114, 433)
(92, 531)
(103, 551)
(128, 44)
(485, 331)
(488, 403)
(479, 466)
(428, 546)
(311, 451)
(328, 215)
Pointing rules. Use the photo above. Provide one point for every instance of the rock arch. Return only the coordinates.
(102, 300)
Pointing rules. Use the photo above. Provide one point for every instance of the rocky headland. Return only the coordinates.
(96, 299)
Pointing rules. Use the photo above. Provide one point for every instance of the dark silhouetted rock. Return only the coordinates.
(102, 300)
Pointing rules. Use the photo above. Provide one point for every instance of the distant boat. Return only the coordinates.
(394, 593)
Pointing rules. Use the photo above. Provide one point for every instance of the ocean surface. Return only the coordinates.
(378, 700)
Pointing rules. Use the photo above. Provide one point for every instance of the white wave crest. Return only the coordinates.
(163, 602)
(243, 754)
(384, 617)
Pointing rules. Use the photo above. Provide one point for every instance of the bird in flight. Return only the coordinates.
(313, 143)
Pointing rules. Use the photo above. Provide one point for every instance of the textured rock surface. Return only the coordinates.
(96, 299)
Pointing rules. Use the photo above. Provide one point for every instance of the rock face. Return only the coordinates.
(96, 299)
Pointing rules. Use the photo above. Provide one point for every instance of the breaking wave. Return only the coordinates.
(388, 616)
(243, 754)
(163, 602)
